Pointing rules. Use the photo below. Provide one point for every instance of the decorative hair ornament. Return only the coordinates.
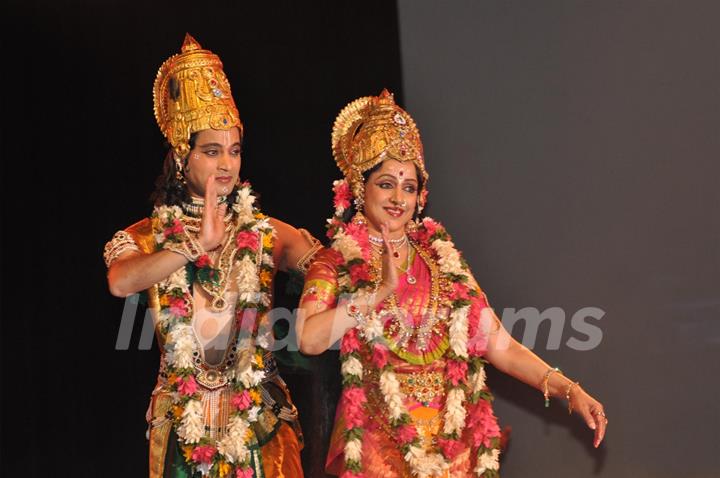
(192, 93)
(370, 130)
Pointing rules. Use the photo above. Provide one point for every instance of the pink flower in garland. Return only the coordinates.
(405, 434)
(354, 398)
(380, 356)
(426, 231)
(247, 320)
(204, 454)
(359, 272)
(350, 342)
(460, 291)
(244, 473)
(241, 401)
(247, 239)
(456, 371)
(333, 225)
(483, 424)
(203, 261)
(187, 386)
(176, 228)
(342, 194)
(359, 232)
(477, 337)
(178, 307)
(450, 448)
(430, 225)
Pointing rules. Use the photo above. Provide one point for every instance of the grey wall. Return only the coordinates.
(573, 151)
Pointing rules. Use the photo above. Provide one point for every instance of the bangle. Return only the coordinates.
(567, 396)
(546, 392)
(354, 312)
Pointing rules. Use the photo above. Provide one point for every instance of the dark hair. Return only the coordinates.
(169, 190)
(350, 212)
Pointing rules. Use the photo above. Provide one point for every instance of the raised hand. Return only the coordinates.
(212, 227)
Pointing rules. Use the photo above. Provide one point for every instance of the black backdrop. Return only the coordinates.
(80, 152)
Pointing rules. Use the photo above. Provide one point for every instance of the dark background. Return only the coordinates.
(573, 150)
(80, 154)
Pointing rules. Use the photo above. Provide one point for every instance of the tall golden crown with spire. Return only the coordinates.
(192, 93)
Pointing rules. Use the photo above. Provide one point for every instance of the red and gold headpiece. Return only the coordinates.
(370, 130)
(192, 93)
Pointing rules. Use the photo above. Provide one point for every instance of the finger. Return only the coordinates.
(600, 432)
(222, 210)
(601, 423)
(385, 232)
(210, 193)
(589, 419)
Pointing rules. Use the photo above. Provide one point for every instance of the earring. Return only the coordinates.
(359, 202)
(179, 170)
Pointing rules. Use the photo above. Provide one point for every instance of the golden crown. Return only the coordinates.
(370, 130)
(192, 93)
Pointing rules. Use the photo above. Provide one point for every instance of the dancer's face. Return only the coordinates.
(216, 152)
(391, 195)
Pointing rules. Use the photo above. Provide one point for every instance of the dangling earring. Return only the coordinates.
(359, 203)
(179, 170)
(358, 189)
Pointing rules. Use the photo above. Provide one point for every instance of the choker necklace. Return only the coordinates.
(378, 247)
(196, 206)
(378, 241)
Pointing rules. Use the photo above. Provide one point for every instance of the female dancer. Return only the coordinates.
(416, 328)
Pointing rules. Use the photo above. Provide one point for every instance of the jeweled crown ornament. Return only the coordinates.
(370, 130)
(192, 93)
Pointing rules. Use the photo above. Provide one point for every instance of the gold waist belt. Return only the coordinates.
(424, 387)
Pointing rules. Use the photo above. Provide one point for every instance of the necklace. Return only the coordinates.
(402, 331)
(196, 205)
(409, 275)
(379, 241)
(224, 261)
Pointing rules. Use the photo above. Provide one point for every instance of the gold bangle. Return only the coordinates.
(546, 392)
(567, 396)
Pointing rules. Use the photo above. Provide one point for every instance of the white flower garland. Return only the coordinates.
(181, 341)
(422, 464)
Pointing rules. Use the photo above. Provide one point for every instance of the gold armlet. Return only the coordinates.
(121, 242)
(304, 262)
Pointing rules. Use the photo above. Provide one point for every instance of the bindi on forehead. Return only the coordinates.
(399, 173)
